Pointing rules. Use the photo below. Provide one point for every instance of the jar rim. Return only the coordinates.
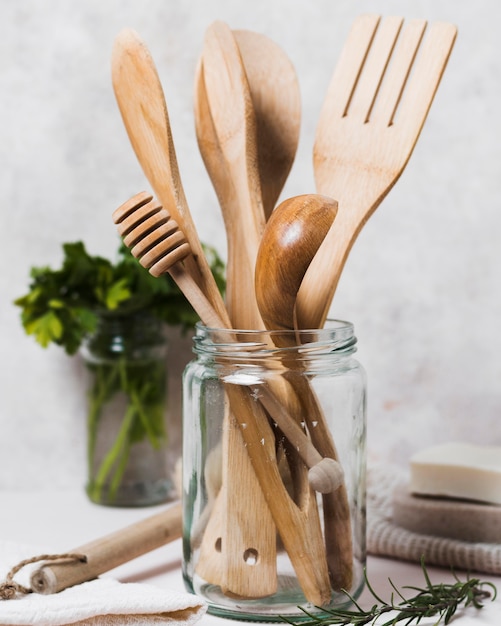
(337, 336)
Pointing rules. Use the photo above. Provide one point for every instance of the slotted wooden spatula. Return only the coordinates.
(375, 108)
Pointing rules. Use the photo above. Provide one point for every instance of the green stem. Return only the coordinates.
(121, 442)
(440, 600)
(146, 420)
(142, 383)
(119, 471)
(101, 391)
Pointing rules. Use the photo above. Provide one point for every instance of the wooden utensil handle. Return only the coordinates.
(107, 552)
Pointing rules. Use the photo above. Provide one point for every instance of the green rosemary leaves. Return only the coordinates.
(440, 600)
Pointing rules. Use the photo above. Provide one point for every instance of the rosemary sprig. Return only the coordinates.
(441, 600)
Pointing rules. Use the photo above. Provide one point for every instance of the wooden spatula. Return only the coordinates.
(229, 114)
(274, 90)
(375, 108)
(226, 134)
(141, 101)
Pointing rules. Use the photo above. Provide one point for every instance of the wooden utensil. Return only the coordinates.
(274, 93)
(298, 524)
(160, 246)
(141, 101)
(142, 104)
(325, 475)
(225, 97)
(276, 100)
(224, 186)
(375, 108)
(292, 237)
(106, 553)
(290, 241)
(226, 135)
(156, 241)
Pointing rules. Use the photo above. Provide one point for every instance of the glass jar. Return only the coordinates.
(274, 471)
(126, 418)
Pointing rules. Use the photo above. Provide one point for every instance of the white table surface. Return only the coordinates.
(63, 520)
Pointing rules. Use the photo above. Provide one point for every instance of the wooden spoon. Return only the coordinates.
(237, 273)
(375, 108)
(276, 99)
(292, 236)
(290, 240)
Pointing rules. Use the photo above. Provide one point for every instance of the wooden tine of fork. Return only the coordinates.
(376, 105)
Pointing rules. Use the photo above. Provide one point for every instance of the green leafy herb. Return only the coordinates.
(62, 305)
(81, 305)
(440, 600)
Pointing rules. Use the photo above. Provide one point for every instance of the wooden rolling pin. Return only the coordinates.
(109, 552)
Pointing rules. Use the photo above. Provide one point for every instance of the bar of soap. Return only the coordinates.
(442, 517)
(458, 470)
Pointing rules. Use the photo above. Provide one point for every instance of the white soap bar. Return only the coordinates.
(458, 470)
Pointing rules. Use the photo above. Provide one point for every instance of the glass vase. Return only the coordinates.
(274, 471)
(126, 419)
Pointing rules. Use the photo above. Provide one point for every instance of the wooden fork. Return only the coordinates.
(375, 108)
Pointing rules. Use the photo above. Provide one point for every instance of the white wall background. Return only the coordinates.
(423, 282)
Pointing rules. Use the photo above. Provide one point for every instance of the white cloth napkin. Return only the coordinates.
(101, 602)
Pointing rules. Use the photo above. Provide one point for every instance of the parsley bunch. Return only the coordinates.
(83, 305)
(62, 306)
